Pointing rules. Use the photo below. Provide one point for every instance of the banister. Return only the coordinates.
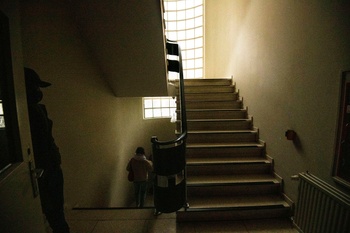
(169, 157)
(173, 48)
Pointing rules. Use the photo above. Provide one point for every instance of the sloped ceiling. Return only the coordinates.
(126, 39)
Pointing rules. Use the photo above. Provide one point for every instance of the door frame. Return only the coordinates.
(20, 208)
(342, 150)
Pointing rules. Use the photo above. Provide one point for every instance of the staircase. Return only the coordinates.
(229, 174)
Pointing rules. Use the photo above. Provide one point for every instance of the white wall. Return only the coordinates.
(97, 133)
(286, 58)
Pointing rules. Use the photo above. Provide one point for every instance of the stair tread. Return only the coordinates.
(222, 145)
(221, 131)
(226, 160)
(225, 78)
(210, 89)
(230, 179)
(210, 82)
(218, 120)
(209, 79)
(222, 83)
(237, 201)
(204, 100)
(215, 109)
(210, 92)
(209, 85)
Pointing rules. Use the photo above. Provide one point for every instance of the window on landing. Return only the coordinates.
(158, 107)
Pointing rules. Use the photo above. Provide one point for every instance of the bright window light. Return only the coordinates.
(2, 118)
(184, 24)
(158, 107)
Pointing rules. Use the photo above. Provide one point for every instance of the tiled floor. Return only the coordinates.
(143, 221)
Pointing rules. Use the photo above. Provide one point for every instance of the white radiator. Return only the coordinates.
(321, 208)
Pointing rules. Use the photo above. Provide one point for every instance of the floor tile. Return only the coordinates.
(77, 226)
(143, 221)
(114, 214)
(120, 226)
(221, 226)
(161, 226)
(189, 227)
(270, 226)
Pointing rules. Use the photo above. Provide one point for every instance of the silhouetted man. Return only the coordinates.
(46, 154)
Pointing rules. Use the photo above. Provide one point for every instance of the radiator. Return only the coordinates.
(321, 208)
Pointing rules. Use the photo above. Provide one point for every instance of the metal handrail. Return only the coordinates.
(183, 134)
(169, 159)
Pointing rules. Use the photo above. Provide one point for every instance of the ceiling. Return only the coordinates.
(126, 39)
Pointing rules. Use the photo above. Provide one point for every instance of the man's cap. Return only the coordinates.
(33, 79)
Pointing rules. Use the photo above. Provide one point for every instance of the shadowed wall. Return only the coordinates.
(97, 132)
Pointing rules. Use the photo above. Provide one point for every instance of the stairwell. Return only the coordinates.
(229, 174)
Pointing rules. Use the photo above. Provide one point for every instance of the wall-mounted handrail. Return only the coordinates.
(173, 48)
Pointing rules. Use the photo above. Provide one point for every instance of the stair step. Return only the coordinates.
(233, 208)
(224, 150)
(231, 187)
(215, 114)
(225, 160)
(223, 145)
(218, 124)
(208, 81)
(209, 89)
(263, 167)
(237, 201)
(224, 136)
(237, 104)
(214, 180)
(205, 96)
(266, 212)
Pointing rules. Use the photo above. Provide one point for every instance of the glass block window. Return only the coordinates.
(2, 118)
(158, 107)
(184, 22)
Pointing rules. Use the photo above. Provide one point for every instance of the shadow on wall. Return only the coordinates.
(124, 197)
(297, 144)
(103, 193)
(293, 136)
